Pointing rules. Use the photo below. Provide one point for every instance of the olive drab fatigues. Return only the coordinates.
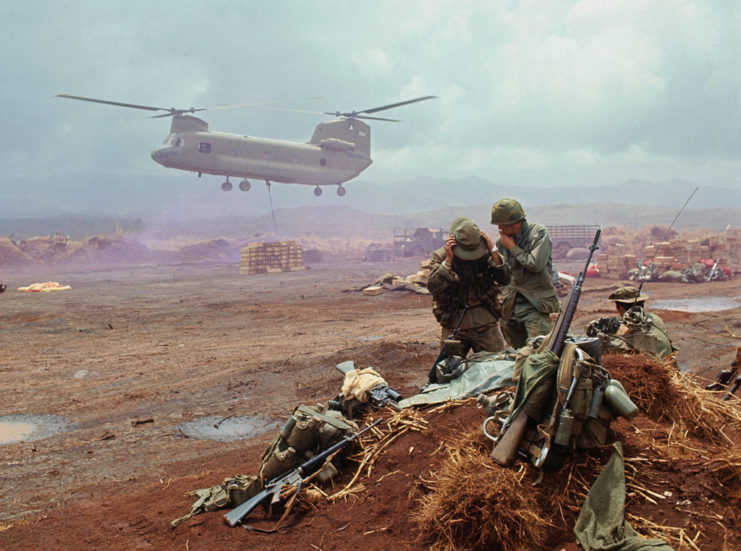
(475, 283)
(530, 296)
(639, 331)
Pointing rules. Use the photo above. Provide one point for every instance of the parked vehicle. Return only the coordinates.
(565, 238)
(418, 242)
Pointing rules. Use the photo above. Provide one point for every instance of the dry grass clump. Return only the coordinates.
(472, 504)
(648, 383)
(663, 393)
(702, 413)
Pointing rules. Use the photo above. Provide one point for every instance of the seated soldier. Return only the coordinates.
(635, 329)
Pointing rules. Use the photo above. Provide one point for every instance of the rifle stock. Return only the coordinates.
(292, 477)
(509, 442)
(506, 449)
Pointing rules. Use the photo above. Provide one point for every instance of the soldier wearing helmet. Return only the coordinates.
(465, 278)
(530, 297)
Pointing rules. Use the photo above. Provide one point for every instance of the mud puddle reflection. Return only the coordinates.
(229, 428)
(25, 428)
(702, 304)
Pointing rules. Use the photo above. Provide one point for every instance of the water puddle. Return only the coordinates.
(370, 338)
(229, 428)
(702, 304)
(25, 428)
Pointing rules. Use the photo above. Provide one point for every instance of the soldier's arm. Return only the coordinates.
(440, 278)
(536, 258)
(499, 269)
(501, 272)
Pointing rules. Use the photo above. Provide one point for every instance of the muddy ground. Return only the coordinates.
(128, 355)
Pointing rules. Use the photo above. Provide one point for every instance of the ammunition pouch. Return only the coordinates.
(232, 491)
(584, 422)
(308, 430)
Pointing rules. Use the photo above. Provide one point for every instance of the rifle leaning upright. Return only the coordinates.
(514, 429)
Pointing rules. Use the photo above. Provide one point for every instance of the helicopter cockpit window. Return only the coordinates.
(204, 147)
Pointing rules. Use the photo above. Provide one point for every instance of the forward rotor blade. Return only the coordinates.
(173, 112)
(392, 105)
(118, 103)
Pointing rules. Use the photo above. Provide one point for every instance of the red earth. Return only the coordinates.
(127, 355)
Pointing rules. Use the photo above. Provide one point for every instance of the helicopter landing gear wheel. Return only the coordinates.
(227, 185)
(341, 190)
(317, 191)
(244, 185)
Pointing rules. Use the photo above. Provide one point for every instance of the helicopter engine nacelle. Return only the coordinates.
(336, 144)
(187, 123)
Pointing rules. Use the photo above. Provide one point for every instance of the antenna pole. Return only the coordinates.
(666, 233)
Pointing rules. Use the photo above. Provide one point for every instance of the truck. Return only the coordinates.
(565, 238)
(418, 242)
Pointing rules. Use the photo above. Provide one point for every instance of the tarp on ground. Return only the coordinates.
(484, 373)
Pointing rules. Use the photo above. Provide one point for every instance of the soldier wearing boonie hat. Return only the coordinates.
(636, 329)
(467, 271)
(628, 295)
(530, 297)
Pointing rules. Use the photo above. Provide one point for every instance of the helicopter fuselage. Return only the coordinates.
(338, 152)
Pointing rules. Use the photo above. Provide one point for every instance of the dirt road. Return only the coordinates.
(126, 356)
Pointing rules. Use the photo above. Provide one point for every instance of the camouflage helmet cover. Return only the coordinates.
(507, 211)
(627, 295)
(469, 243)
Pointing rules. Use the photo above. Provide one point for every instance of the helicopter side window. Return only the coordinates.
(204, 147)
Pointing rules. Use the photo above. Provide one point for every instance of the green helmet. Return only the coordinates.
(507, 211)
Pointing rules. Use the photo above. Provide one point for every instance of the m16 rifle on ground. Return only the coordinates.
(725, 376)
(713, 272)
(378, 395)
(295, 477)
(513, 429)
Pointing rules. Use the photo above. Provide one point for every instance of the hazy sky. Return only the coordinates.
(531, 92)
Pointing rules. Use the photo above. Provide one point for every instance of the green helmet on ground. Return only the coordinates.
(507, 211)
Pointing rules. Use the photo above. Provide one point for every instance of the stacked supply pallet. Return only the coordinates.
(271, 257)
(724, 248)
(616, 263)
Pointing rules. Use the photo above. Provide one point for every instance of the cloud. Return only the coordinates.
(587, 90)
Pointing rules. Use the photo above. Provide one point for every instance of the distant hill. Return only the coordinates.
(200, 209)
(340, 222)
(179, 194)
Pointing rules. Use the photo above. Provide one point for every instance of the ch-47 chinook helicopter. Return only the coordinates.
(338, 151)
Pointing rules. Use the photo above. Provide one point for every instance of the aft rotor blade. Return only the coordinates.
(118, 103)
(261, 104)
(376, 118)
(392, 105)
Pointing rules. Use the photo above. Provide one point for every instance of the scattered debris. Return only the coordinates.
(138, 422)
(416, 283)
(46, 287)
